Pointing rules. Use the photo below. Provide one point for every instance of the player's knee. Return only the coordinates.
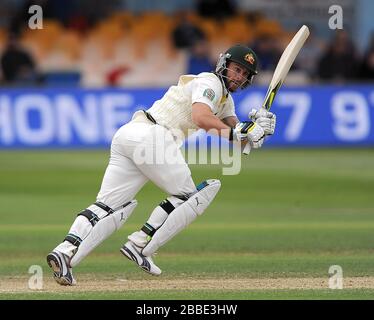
(180, 217)
(182, 190)
(175, 200)
(206, 192)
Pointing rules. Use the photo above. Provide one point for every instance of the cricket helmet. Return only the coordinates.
(242, 55)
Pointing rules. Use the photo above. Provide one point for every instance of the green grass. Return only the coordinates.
(289, 213)
(296, 294)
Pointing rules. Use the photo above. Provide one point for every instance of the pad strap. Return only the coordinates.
(92, 218)
(73, 239)
(167, 206)
(148, 230)
(104, 207)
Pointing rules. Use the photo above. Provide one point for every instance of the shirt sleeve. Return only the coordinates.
(207, 90)
(228, 108)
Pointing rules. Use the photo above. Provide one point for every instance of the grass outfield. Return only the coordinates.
(271, 233)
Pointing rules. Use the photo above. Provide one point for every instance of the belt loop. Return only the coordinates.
(149, 117)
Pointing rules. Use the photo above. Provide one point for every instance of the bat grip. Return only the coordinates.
(247, 149)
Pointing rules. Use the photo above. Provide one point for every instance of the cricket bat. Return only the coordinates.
(281, 71)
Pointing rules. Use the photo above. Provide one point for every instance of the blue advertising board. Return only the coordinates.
(82, 118)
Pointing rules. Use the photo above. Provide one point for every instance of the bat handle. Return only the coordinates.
(247, 149)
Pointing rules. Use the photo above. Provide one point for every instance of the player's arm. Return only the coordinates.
(204, 118)
(231, 121)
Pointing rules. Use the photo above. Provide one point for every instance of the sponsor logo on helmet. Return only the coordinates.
(249, 58)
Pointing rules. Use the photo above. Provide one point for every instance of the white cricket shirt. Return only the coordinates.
(174, 109)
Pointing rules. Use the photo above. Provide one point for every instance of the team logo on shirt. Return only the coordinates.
(209, 93)
(249, 58)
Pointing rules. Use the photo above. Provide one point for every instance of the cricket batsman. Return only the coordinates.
(197, 101)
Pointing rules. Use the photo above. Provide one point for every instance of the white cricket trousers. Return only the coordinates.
(143, 151)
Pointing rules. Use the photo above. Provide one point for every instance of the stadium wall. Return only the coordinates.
(81, 118)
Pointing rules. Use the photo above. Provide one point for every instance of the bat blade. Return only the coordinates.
(283, 67)
(285, 62)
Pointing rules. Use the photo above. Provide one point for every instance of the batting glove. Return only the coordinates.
(248, 130)
(267, 120)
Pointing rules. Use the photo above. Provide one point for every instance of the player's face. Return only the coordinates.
(236, 75)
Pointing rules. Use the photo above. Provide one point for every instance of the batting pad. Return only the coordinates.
(182, 216)
(102, 230)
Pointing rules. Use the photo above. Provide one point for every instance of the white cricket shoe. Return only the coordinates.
(133, 252)
(62, 272)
